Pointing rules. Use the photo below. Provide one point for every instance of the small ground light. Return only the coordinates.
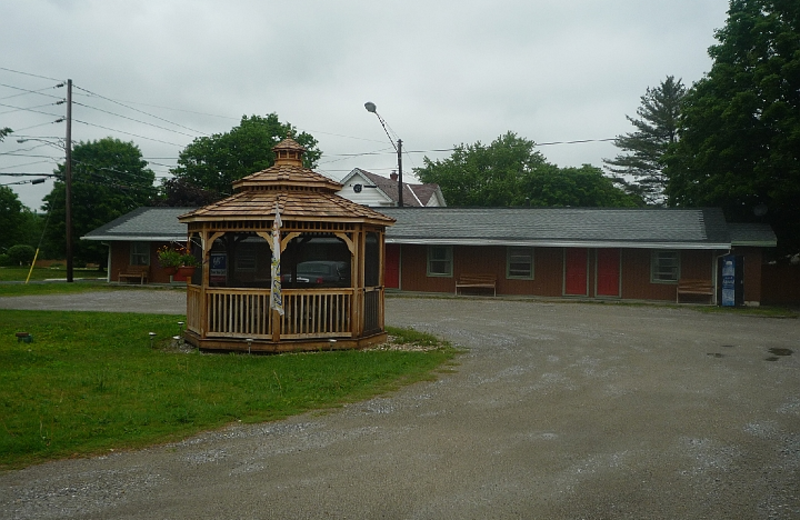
(180, 328)
(152, 338)
(249, 344)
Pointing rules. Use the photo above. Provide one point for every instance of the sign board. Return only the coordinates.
(218, 273)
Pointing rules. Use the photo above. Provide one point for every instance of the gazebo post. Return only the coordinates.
(276, 325)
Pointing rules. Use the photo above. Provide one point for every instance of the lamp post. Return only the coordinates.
(370, 106)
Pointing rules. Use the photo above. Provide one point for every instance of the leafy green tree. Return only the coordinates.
(213, 163)
(510, 172)
(739, 144)
(109, 179)
(641, 169)
(576, 187)
(12, 219)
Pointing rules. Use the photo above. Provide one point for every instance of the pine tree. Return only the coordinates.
(641, 169)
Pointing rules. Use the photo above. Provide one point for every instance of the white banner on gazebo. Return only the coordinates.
(276, 300)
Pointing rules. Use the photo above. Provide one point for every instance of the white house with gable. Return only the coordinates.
(372, 190)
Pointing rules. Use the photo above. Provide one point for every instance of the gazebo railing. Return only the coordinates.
(245, 313)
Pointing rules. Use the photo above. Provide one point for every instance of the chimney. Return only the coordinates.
(393, 176)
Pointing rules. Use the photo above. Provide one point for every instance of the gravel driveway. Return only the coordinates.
(556, 411)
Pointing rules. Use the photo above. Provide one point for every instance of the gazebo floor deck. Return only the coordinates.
(303, 345)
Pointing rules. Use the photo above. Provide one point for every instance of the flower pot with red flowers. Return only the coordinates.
(177, 262)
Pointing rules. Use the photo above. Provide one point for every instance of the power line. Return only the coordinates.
(141, 111)
(29, 74)
(26, 91)
(126, 133)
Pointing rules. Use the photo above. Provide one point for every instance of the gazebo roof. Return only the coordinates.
(301, 194)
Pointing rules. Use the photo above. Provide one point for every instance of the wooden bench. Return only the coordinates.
(134, 272)
(696, 288)
(479, 281)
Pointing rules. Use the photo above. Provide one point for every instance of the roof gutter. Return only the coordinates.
(593, 244)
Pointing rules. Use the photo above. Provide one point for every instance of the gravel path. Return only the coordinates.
(556, 411)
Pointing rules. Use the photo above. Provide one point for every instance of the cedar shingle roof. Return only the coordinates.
(298, 205)
(301, 194)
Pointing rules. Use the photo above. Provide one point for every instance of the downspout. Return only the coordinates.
(108, 262)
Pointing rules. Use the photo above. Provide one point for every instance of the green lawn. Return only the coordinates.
(90, 382)
(20, 274)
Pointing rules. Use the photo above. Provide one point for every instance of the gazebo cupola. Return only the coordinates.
(331, 264)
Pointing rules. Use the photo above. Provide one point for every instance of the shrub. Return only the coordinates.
(21, 254)
(5, 260)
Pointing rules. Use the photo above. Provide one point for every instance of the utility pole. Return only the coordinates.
(68, 181)
(400, 172)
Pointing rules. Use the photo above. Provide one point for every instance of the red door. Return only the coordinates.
(392, 274)
(608, 272)
(575, 271)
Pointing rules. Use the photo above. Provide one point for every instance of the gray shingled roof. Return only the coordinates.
(144, 224)
(543, 227)
(754, 235)
(560, 227)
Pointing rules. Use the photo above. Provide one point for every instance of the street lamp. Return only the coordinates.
(370, 106)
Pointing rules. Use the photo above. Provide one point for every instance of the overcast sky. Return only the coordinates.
(161, 72)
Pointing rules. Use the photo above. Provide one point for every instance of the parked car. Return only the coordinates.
(319, 273)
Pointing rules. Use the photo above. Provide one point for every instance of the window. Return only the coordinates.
(140, 253)
(440, 261)
(665, 266)
(519, 263)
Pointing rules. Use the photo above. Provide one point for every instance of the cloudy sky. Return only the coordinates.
(441, 72)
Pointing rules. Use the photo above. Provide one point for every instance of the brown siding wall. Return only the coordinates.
(636, 283)
(548, 271)
(753, 260)
(121, 256)
(780, 284)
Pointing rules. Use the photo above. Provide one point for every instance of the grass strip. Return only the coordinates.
(90, 382)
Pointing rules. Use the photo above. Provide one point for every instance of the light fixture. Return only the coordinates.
(370, 106)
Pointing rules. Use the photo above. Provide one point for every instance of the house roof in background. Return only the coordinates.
(753, 235)
(561, 227)
(414, 195)
(144, 224)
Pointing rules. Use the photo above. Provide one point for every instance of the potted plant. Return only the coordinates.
(177, 261)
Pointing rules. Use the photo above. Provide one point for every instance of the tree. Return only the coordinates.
(213, 163)
(12, 219)
(509, 172)
(4, 132)
(180, 193)
(739, 144)
(656, 130)
(576, 187)
(21, 254)
(109, 179)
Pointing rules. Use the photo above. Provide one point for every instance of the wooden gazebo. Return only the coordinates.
(331, 264)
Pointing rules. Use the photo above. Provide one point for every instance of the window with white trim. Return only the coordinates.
(665, 266)
(440, 261)
(140, 253)
(519, 263)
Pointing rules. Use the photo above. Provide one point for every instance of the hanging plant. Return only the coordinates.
(172, 258)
